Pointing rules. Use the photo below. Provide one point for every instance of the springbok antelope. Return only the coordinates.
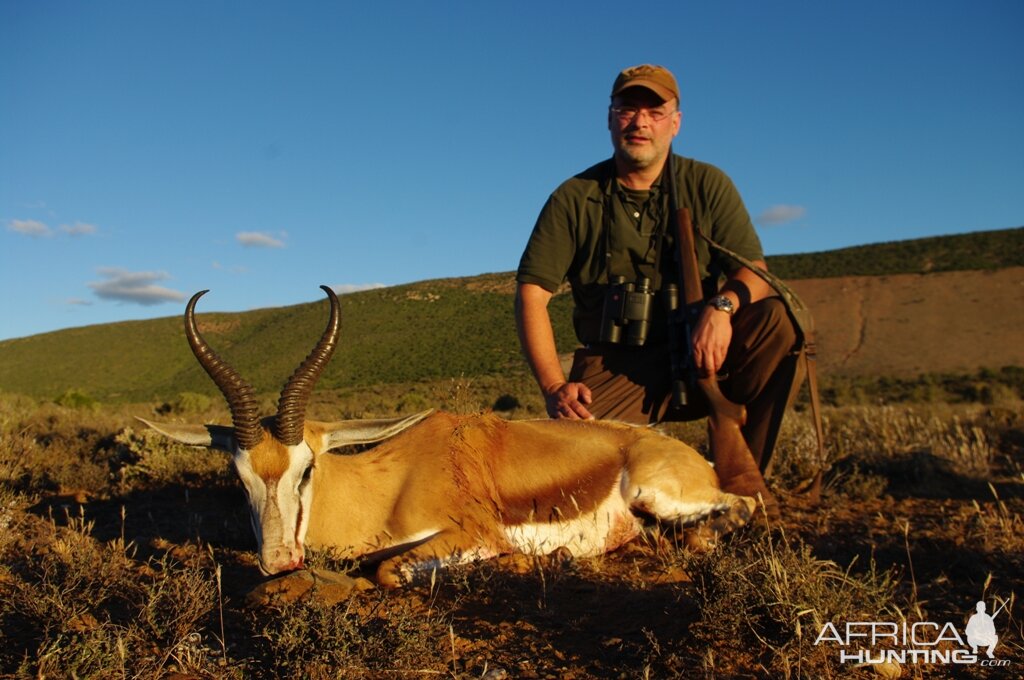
(444, 488)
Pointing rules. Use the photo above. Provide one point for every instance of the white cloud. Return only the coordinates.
(29, 228)
(344, 288)
(134, 287)
(78, 229)
(231, 270)
(37, 228)
(780, 214)
(259, 239)
(78, 302)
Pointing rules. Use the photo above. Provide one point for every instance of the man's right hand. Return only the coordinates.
(568, 401)
(561, 399)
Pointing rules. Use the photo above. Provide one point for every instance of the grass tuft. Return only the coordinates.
(772, 594)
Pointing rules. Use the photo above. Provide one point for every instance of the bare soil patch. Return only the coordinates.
(908, 324)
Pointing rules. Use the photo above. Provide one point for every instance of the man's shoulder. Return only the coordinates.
(698, 170)
(587, 184)
(598, 172)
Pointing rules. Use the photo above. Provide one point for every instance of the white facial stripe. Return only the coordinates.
(290, 497)
(256, 493)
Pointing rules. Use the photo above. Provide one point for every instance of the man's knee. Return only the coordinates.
(777, 322)
(764, 327)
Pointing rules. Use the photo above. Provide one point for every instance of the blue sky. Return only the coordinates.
(259, 149)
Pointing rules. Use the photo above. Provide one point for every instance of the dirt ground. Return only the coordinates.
(908, 324)
(631, 613)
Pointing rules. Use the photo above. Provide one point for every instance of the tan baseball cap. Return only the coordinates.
(657, 79)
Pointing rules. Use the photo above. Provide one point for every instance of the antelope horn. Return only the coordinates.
(291, 407)
(239, 394)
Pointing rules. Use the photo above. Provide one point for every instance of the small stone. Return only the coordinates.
(330, 587)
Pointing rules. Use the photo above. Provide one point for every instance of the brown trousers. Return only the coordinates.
(761, 371)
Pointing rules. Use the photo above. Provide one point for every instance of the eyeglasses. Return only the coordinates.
(626, 114)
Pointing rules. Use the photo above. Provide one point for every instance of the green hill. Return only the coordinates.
(978, 250)
(428, 330)
(432, 329)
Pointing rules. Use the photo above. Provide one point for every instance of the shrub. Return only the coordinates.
(74, 398)
(412, 402)
(51, 448)
(81, 608)
(144, 457)
(191, 402)
(506, 402)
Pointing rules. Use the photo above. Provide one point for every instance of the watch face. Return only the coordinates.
(722, 304)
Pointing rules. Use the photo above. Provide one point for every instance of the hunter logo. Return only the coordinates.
(981, 630)
(878, 642)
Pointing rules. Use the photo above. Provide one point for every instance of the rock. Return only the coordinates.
(329, 587)
(671, 575)
(700, 539)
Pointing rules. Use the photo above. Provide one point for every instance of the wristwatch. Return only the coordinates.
(722, 304)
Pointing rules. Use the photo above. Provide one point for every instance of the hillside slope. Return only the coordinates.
(908, 324)
(902, 323)
(980, 250)
(433, 329)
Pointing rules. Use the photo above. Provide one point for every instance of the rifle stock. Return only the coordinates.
(734, 461)
(693, 303)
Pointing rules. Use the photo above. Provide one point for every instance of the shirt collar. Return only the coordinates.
(659, 187)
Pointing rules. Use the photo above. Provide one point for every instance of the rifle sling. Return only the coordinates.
(801, 316)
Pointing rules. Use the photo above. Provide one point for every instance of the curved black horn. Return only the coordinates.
(291, 407)
(239, 394)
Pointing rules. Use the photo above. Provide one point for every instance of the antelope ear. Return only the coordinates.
(348, 432)
(210, 436)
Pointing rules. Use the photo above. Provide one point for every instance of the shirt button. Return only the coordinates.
(636, 214)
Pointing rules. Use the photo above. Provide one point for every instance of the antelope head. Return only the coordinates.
(276, 456)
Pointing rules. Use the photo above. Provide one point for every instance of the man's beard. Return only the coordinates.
(638, 157)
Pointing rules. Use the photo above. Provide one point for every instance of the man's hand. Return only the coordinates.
(713, 333)
(568, 401)
(562, 399)
(711, 341)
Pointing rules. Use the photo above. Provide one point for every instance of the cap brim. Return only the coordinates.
(654, 87)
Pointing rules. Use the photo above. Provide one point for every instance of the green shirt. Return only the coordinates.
(569, 241)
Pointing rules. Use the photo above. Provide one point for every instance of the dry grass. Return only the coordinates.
(773, 595)
(870, 448)
(77, 607)
(122, 555)
(369, 637)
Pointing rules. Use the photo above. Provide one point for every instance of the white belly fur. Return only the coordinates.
(605, 528)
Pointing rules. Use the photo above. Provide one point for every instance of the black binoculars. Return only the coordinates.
(626, 316)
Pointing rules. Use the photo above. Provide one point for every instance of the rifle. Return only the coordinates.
(734, 462)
